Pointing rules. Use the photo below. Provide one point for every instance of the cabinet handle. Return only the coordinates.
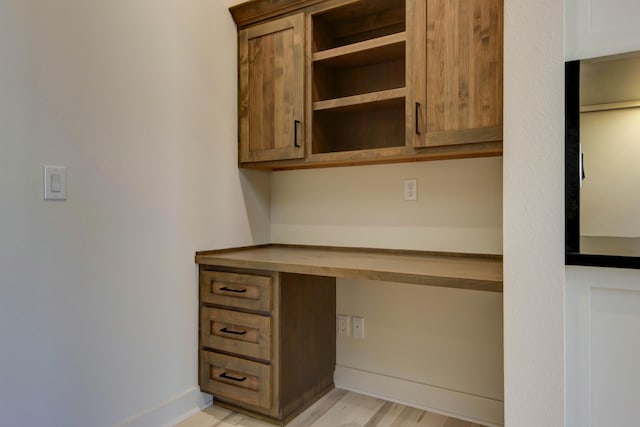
(417, 118)
(238, 291)
(229, 377)
(228, 331)
(295, 133)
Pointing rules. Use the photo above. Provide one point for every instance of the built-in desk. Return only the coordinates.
(268, 313)
(477, 272)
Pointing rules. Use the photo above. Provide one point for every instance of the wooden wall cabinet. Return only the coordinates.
(267, 340)
(271, 90)
(455, 71)
(375, 81)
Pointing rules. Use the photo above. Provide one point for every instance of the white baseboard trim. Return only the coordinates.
(456, 404)
(175, 409)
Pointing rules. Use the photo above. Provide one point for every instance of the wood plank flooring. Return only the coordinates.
(338, 408)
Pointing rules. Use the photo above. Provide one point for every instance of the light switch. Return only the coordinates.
(55, 183)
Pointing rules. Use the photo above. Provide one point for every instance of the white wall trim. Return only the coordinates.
(452, 403)
(177, 408)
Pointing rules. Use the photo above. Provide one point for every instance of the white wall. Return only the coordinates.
(610, 79)
(98, 294)
(533, 213)
(459, 206)
(609, 198)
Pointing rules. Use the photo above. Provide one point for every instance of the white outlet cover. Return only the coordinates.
(357, 326)
(411, 189)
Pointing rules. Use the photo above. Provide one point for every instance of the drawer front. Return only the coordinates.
(234, 332)
(236, 379)
(247, 291)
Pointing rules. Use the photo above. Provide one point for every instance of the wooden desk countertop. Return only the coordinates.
(475, 272)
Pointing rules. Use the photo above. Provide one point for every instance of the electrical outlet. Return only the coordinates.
(357, 326)
(344, 325)
(411, 189)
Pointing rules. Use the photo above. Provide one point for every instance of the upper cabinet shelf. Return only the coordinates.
(368, 101)
(381, 49)
(368, 81)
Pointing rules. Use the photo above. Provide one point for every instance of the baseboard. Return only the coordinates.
(172, 411)
(480, 410)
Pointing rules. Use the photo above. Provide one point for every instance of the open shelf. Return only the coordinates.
(369, 101)
(358, 63)
(356, 22)
(379, 126)
(381, 49)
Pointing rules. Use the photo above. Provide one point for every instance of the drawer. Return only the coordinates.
(246, 291)
(235, 332)
(236, 379)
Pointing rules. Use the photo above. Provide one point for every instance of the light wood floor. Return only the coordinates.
(338, 408)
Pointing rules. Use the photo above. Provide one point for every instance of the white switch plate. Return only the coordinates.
(344, 325)
(411, 189)
(357, 327)
(55, 183)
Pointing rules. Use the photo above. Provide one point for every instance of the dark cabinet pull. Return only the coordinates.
(238, 291)
(227, 331)
(229, 377)
(295, 133)
(417, 118)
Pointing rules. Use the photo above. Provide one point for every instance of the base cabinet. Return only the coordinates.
(267, 340)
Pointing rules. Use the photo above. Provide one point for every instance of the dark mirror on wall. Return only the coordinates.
(602, 161)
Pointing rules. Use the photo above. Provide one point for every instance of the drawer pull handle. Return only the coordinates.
(229, 377)
(238, 291)
(227, 331)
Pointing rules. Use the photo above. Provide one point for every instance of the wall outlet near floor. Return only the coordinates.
(357, 327)
(344, 325)
(411, 189)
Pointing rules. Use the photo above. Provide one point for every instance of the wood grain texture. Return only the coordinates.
(251, 383)
(254, 11)
(245, 291)
(352, 22)
(359, 128)
(464, 69)
(296, 340)
(336, 408)
(450, 67)
(370, 51)
(242, 334)
(384, 156)
(271, 90)
(360, 79)
(363, 102)
(454, 271)
(307, 339)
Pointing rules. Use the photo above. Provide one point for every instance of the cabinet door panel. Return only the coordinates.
(460, 98)
(272, 90)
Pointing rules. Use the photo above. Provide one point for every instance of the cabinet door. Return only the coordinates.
(456, 71)
(271, 110)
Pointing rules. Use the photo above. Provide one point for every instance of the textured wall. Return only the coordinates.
(534, 213)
